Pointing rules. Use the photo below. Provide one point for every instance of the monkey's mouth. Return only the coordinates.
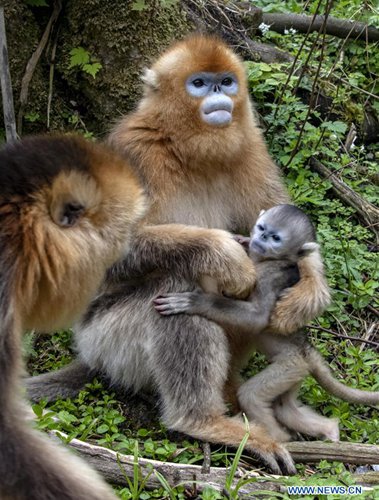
(217, 117)
(256, 247)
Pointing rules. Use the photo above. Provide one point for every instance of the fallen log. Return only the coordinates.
(341, 28)
(116, 467)
(350, 453)
(366, 211)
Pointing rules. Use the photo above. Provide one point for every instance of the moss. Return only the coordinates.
(124, 41)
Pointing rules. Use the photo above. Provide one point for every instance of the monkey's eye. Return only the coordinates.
(227, 82)
(275, 237)
(199, 82)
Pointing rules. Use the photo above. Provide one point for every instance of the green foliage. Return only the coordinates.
(82, 59)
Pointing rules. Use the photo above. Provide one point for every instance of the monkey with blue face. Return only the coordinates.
(281, 237)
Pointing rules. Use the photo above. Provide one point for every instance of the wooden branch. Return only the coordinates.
(366, 211)
(351, 453)
(33, 61)
(6, 85)
(341, 28)
(367, 478)
(115, 467)
(262, 51)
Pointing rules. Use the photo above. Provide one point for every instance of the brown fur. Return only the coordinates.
(200, 175)
(48, 274)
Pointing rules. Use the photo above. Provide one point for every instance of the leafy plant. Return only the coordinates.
(82, 59)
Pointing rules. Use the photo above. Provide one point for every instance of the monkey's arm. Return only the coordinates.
(250, 316)
(191, 252)
(303, 302)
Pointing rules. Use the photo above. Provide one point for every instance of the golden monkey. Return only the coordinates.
(67, 209)
(281, 237)
(195, 144)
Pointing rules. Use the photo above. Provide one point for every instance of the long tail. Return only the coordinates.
(31, 466)
(321, 372)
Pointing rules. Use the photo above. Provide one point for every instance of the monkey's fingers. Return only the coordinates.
(172, 304)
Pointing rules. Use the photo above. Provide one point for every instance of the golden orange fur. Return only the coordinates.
(209, 176)
(50, 268)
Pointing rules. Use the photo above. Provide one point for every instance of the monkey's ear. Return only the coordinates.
(66, 213)
(150, 78)
(73, 196)
(308, 248)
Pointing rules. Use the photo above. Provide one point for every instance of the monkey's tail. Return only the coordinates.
(32, 467)
(322, 373)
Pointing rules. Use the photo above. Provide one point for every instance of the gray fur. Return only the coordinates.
(270, 397)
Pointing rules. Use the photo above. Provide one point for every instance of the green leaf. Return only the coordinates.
(102, 429)
(79, 57)
(92, 69)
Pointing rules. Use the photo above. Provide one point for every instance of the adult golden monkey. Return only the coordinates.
(195, 144)
(68, 210)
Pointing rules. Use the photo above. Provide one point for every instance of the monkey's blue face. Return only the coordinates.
(214, 90)
(267, 240)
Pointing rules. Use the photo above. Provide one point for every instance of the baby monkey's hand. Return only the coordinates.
(176, 303)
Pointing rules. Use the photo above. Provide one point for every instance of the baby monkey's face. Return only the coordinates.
(267, 240)
(283, 231)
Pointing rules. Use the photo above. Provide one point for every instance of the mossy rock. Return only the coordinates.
(123, 40)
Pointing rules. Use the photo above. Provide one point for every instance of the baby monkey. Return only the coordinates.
(281, 236)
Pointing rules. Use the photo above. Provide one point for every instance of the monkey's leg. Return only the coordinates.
(301, 418)
(257, 395)
(63, 383)
(190, 362)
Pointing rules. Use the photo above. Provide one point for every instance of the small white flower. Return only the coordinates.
(290, 31)
(362, 148)
(264, 28)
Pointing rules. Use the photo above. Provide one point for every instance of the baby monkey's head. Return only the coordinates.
(283, 231)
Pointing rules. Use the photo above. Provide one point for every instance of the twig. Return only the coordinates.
(347, 337)
(51, 78)
(33, 61)
(6, 85)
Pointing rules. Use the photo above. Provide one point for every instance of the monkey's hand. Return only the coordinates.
(242, 240)
(236, 276)
(177, 303)
(193, 252)
(304, 301)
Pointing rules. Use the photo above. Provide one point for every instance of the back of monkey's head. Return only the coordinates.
(67, 208)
